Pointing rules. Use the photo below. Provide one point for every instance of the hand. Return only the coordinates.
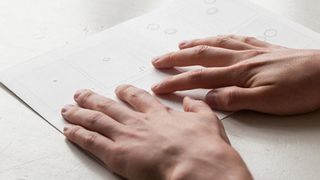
(246, 74)
(153, 141)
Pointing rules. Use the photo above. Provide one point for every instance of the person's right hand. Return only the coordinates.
(151, 141)
(246, 74)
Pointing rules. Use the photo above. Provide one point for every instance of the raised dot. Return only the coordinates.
(170, 31)
(86, 30)
(270, 33)
(142, 68)
(212, 11)
(106, 59)
(153, 27)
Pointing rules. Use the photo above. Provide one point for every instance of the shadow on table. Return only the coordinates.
(86, 160)
(260, 120)
(248, 127)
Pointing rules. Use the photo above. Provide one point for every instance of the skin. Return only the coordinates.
(245, 73)
(152, 141)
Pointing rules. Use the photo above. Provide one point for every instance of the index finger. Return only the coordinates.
(226, 41)
(95, 143)
(206, 78)
(139, 99)
(202, 55)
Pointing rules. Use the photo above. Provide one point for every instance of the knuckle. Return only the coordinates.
(119, 149)
(161, 109)
(222, 40)
(245, 72)
(196, 75)
(171, 57)
(201, 50)
(254, 52)
(228, 98)
(136, 120)
(249, 39)
(105, 105)
(134, 94)
(230, 36)
(89, 140)
(74, 131)
(241, 74)
(130, 134)
(93, 119)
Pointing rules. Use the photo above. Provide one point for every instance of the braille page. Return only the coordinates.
(123, 53)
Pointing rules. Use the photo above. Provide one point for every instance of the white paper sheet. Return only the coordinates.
(123, 53)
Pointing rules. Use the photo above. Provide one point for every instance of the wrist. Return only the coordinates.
(225, 164)
(314, 69)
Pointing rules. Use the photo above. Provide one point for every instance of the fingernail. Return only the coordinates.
(155, 60)
(155, 86)
(66, 108)
(211, 99)
(67, 127)
(183, 43)
(78, 93)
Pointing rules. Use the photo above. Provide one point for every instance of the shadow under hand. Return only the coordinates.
(248, 127)
(262, 121)
(96, 166)
(276, 145)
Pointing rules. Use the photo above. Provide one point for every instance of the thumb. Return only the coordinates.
(192, 105)
(234, 98)
(197, 106)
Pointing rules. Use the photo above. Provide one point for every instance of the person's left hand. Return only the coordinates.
(245, 73)
(153, 141)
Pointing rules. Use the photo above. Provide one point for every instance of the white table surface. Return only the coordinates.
(273, 147)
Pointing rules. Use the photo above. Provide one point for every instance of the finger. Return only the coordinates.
(197, 106)
(235, 98)
(191, 105)
(139, 99)
(92, 120)
(252, 41)
(199, 55)
(92, 142)
(206, 78)
(90, 100)
(227, 42)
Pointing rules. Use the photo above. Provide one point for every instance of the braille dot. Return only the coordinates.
(170, 31)
(153, 27)
(212, 11)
